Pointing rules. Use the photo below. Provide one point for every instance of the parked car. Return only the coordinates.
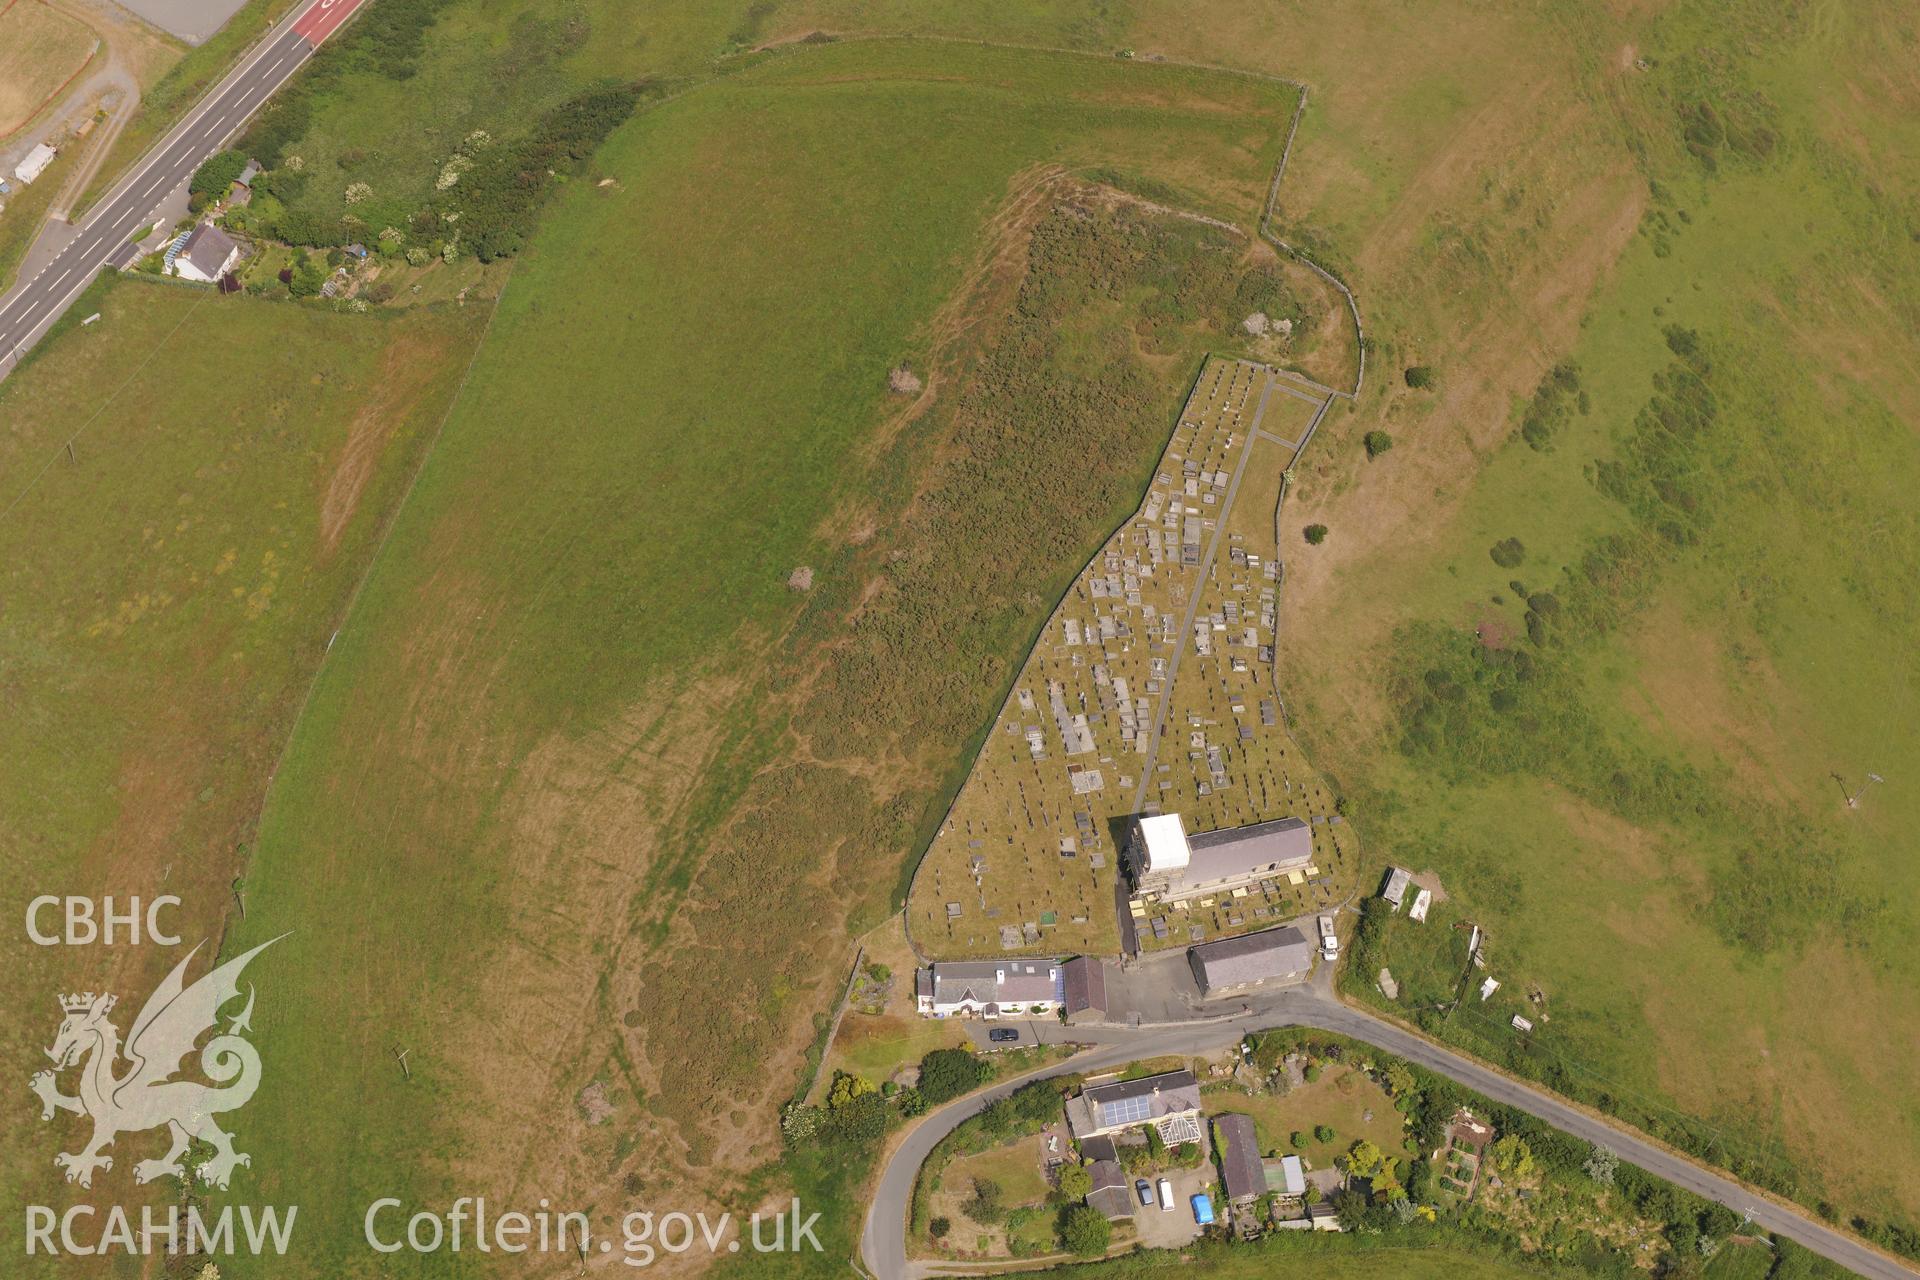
(1166, 1195)
(1202, 1208)
(1144, 1190)
(1003, 1035)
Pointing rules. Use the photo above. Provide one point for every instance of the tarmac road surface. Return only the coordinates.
(34, 304)
(883, 1243)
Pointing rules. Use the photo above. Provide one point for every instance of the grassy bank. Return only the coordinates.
(171, 581)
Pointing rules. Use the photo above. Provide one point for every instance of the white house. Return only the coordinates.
(208, 254)
(34, 163)
(989, 988)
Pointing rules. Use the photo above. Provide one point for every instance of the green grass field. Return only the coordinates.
(1340, 1099)
(1647, 821)
(169, 586)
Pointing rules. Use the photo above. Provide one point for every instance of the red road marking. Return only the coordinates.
(317, 23)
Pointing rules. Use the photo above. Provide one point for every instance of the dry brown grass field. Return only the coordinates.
(40, 50)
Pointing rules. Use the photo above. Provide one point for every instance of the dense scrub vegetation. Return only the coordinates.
(1472, 710)
(487, 193)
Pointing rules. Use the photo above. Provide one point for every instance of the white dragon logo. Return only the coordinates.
(146, 1096)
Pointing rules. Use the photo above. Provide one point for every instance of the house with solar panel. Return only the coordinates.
(1170, 1102)
(990, 989)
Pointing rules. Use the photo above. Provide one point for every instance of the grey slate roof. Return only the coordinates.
(994, 981)
(1169, 1093)
(1111, 1196)
(1280, 844)
(1252, 957)
(1086, 981)
(208, 249)
(1238, 1146)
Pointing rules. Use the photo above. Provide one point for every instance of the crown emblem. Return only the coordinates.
(80, 1002)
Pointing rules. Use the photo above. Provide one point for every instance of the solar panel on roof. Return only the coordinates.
(1125, 1111)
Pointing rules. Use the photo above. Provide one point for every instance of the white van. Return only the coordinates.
(1329, 940)
(1166, 1195)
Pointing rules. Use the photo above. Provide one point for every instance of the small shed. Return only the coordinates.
(1395, 892)
(34, 163)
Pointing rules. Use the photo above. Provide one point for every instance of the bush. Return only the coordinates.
(945, 1074)
(499, 197)
(1298, 1140)
(1315, 534)
(988, 1203)
(939, 1227)
(1508, 552)
(1076, 1183)
(1324, 1132)
(1376, 443)
(860, 1122)
(1085, 1231)
(1419, 376)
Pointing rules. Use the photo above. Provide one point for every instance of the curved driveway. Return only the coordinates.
(883, 1242)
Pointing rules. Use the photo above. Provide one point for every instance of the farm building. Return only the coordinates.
(989, 988)
(1171, 866)
(1238, 1146)
(1084, 982)
(1271, 955)
(208, 254)
(1170, 1102)
(34, 163)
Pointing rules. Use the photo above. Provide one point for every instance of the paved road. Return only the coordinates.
(883, 1242)
(36, 302)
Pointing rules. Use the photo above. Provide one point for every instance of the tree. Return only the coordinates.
(987, 1205)
(945, 1074)
(998, 1117)
(1085, 1231)
(1187, 1155)
(1075, 1182)
(1602, 1165)
(1324, 1132)
(1364, 1159)
(1419, 376)
(1512, 1156)
(1298, 1139)
(1315, 534)
(1376, 443)
(1156, 1146)
(1398, 1079)
(939, 1227)
(911, 1102)
(846, 1087)
(212, 179)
